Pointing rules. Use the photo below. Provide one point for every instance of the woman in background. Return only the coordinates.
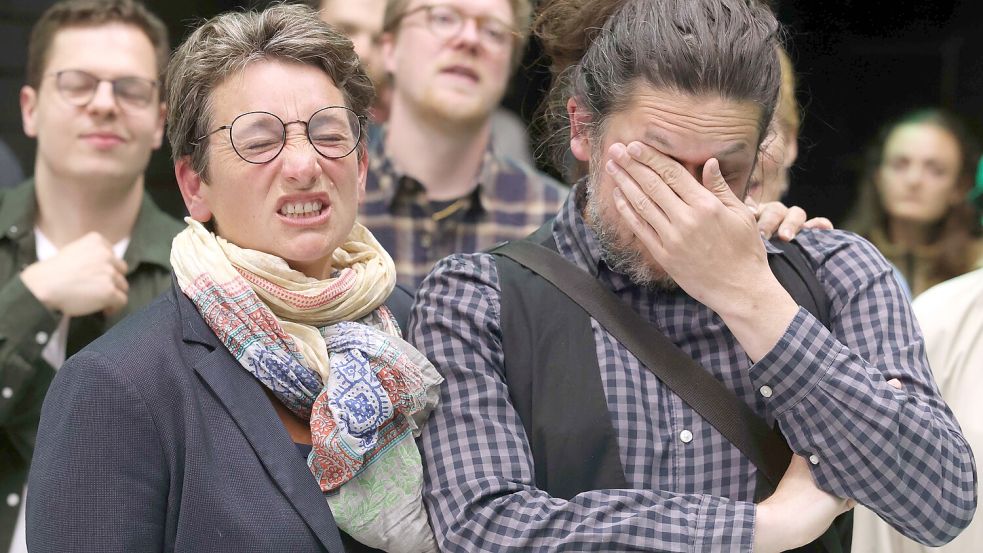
(914, 203)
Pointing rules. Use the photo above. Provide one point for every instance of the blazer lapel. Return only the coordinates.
(241, 393)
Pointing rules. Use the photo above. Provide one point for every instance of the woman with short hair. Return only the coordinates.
(268, 395)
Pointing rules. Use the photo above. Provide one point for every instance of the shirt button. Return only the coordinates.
(686, 436)
(814, 459)
(765, 391)
(13, 229)
(41, 337)
(13, 500)
(7, 392)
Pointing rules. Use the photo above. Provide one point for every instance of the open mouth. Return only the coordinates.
(302, 210)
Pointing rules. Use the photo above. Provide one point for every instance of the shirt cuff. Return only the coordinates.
(31, 323)
(796, 364)
(724, 525)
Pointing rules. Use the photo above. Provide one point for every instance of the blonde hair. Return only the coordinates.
(787, 112)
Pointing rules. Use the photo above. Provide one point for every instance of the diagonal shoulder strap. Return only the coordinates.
(765, 447)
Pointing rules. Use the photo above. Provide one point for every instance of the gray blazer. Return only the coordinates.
(154, 438)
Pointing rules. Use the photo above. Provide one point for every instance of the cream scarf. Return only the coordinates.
(331, 352)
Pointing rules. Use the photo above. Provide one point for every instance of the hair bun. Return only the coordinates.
(566, 28)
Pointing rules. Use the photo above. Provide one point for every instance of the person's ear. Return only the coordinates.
(194, 190)
(363, 171)
(387, 50)
(580, 121)
(159, 129)
(28, 110)
(791, 149)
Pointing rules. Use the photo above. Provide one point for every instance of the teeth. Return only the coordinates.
(300, 209)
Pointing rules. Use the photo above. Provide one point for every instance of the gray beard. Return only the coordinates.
(621, 257)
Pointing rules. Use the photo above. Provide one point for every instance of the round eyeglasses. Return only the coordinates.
(259, 136)
(79, 88)
(446, 21)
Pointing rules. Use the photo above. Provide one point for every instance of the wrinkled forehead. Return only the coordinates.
(289, 89)
(689, 127)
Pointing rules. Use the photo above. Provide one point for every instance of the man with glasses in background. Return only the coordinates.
(436, 184)
(81, 244)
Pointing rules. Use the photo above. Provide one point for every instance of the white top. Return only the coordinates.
(951, 317)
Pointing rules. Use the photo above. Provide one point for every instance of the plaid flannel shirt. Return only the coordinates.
(510, 201)
(898, 451)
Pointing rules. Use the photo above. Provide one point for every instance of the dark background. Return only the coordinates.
(859, 62)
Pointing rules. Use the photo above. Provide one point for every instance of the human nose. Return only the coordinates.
(301, 162)
(913, 175)
(103, 98)
(470, 32)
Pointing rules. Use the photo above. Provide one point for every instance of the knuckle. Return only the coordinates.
(769, 220)
(773, 208)
(707, 205)
(670, 173)
(686, 223)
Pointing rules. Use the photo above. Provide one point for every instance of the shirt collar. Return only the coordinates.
(392, 183)
(150, 239)
(574, 238)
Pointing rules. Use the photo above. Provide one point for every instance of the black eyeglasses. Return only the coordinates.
(78, 88)
(446, 21)
(259, 136)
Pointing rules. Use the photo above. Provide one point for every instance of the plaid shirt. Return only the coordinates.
(898, 451)
(510, 201)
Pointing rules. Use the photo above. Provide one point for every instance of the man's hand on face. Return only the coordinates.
(705, 239)
(797, 513)
(702, 235)
(776, 217)
(84, 277)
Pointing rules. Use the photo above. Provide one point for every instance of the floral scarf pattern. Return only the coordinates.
(331, 352)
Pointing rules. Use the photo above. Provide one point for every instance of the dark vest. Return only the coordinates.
(555, 385)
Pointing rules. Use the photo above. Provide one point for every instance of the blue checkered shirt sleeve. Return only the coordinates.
(899, 452)
(479, 480)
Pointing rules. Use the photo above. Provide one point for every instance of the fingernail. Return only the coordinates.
(785, 233)
(610, 167)
(635, 149)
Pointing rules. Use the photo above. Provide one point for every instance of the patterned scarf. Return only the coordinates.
(330, 351)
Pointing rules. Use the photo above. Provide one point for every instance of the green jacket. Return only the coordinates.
(26, 325)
